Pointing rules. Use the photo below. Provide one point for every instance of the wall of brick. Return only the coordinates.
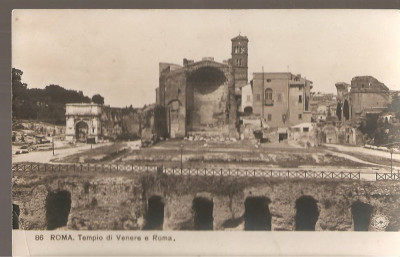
(119, 201)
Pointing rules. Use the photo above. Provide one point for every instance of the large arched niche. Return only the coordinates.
(207, 96)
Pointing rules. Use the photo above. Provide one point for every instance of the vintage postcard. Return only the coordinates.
(167, 132)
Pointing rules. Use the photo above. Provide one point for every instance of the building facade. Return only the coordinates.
(83, 121)
(246, 106)
(204, 96)
(240, 61)
(281, 99)
(366, 95)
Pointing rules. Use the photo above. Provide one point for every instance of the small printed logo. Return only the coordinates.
(380, 222)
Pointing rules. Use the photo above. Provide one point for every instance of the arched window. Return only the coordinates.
(268, 97)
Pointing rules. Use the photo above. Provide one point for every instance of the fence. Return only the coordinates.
(263, 173)
(77, 167)
(387, 176)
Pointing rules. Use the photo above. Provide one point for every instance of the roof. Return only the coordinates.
(240, 37)
(201, 63)
(82, 104)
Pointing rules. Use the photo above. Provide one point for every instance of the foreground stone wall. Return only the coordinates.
(119, 201)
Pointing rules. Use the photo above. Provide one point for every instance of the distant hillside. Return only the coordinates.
(46, 104)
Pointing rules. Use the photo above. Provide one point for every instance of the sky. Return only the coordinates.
(116, 53)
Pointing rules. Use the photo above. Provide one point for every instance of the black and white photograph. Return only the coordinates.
(206, 120)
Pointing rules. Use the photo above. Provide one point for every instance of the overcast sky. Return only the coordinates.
(116, 52)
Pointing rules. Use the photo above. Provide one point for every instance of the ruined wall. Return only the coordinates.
(117, 122)
(153, 122)
(119, 201)
(366, 93)
(175, 103)
(198, 96)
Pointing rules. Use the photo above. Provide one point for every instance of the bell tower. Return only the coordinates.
(239, 60)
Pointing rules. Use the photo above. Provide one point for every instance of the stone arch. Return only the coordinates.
(307, 213)
(248, 110)
(203, 213)
(155, 213)
(175, 103)
(257, 215)
(81, 130)
(361, 213)
(58, 206)
(330, 134)
(173, 117)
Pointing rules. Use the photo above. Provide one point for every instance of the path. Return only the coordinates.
(362, 150)
(47, 156)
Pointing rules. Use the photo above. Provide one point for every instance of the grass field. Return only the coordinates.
(197, 154)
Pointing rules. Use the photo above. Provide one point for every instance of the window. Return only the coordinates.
(305, 129)
(268, 94)
(268, 80)
(258, 97)
(248, 98)
(269, 117)
(300, 98)
(300, 116)
(268, 97)
(242, 50)
(239, 62)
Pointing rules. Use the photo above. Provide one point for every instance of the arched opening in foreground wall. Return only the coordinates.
(203, 213)
(256, 214)
(306, 213)
(15, 216)
(155, 213)
(361, 213)
(58, 206)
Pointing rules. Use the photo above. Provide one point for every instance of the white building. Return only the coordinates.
(247, 99)
(83, 122)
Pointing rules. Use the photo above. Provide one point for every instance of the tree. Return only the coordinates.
(18, 88)
(46, 104)
(339, 111)
(346, 110)
(98, 99)
(370, 126)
